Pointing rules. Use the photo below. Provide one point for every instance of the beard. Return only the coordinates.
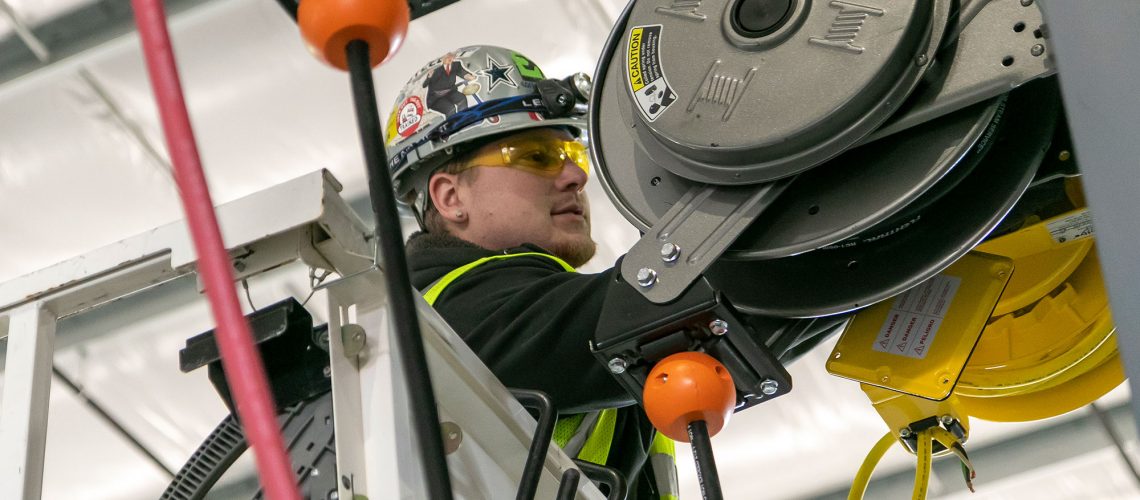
(575, 251)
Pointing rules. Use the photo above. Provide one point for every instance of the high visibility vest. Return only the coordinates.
(587, 436)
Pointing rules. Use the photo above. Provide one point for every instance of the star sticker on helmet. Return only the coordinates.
(498, 74)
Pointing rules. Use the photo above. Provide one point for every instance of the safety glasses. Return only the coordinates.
(537, 155)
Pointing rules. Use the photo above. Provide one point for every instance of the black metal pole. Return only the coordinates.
(112, 421)
(569, 485)
(608, 476)
(547, 415)
(703, 458)
(409, 344)
(290, 7)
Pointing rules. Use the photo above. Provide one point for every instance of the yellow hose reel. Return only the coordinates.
(1047, 348)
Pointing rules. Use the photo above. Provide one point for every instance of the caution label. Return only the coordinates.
(647, 83)
(1076, 226)
(915, 317)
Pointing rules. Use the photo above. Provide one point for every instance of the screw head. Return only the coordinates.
(646, 277)
(562, 99)
(718, 327)
(921, 60)
(618, 365)
(1026, 3)
(670, 252)
(1037, 50)
(904, 432)
(946, 420)
(769, 387)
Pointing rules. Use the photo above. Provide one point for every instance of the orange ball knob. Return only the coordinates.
(329, 25)
(685, 387)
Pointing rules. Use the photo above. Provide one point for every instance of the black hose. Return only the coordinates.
(703, 458)
(408, 341)
(547, 416)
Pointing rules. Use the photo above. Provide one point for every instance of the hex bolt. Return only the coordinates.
(946, 420)
(1037, 50)
(718, 327)
(646, 277)
(670, 252)
(904, 432)
(618, 365)
(769, 387)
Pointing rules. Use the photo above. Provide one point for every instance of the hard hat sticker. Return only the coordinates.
(643, 70)
(410, 113)
(915, 317)
(1076, 226)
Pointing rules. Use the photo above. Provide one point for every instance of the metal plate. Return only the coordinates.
(717, 107)
(826, 282)
(866, 186)
(851, 193)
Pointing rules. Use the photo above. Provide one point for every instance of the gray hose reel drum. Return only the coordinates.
(815, 157)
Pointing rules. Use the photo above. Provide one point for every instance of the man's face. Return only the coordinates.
(506, 207)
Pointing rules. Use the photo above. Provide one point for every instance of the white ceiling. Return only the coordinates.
(74, 178)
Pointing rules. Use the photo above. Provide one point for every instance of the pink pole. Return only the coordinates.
(243, 367)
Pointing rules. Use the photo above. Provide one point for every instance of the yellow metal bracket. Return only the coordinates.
(919, 342)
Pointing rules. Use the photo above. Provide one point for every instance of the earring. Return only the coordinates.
(459, 213)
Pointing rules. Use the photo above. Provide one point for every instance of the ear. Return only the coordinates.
(444, 191)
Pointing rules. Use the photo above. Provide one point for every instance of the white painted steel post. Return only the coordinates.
(24, 414)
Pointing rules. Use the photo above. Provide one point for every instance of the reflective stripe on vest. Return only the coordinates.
(587, 436)
(663, 457)
(433, 291)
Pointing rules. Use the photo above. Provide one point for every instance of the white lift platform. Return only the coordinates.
(304, 219)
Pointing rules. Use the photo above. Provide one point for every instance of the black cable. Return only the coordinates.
(409, 343)
(569, 485)
(703, 458)
(209, 462)
(98, 409)
(547, 416)
(1116, 440)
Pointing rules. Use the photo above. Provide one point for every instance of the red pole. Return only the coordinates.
(243, 367)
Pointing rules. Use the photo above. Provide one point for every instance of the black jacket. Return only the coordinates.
(530, 321)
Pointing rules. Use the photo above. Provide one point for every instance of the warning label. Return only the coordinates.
(1072, 227)
(915, 317)
(647, 81)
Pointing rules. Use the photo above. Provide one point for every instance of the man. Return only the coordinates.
(506, 220)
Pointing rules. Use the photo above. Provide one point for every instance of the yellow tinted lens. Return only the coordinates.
(577, 153)
(534, 155)
(540, 156)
